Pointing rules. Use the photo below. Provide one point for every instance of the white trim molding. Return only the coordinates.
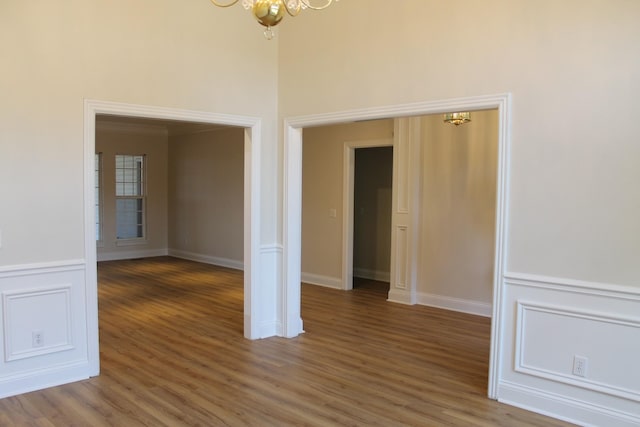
(611, 322)
(575, 411)
(41, 268)
(573, 285)
(13, 301)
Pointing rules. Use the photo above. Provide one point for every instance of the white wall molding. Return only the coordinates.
(56, 301)
(573, 285)
(575, 411)
(320, 280)
(456, 304)
(272, 248)
(41, 268)
(50, 376)
(207, 259)
(401, 296)
(400, 263)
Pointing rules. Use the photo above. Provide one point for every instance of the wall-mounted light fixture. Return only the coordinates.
(457, 118)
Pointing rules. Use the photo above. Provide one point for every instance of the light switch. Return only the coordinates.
(332, 213)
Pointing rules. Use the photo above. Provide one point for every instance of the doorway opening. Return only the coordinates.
(251, 185)
(406, 269)
(373, 184)
(367, 193)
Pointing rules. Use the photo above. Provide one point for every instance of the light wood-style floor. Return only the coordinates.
(173, 354)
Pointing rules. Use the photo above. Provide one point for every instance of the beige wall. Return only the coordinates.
(152, 143)
(458, 207)
(322, 175)
(574, 206)
(188, 55)
(206, 171)
(457, 225)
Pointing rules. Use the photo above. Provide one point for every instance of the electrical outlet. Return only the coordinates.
(37, 339)
(580, 366)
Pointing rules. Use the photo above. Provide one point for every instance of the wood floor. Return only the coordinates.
(173, 354)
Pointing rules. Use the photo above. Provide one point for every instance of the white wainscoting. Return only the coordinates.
(51, 323)
(47, 299)
(549, 322)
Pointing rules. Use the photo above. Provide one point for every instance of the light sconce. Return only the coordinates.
(269, 13)
(457, 118)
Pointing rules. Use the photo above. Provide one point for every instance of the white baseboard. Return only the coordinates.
(401, 296)
(207, 259)
(567, 409)
(119, 255)
(455, 304)
(44, 378)
(326, 281)
(381, 276)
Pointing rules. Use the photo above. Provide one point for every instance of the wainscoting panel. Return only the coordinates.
(50, 326)
(271, 319)
(605, 343)
(44, 326)
(550, 326)
(401, 256)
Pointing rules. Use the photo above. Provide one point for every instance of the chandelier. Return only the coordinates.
(269, 13)
(457, 118)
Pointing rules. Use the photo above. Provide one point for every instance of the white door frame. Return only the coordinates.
(252, 146)
(348, 182)
(293, 201)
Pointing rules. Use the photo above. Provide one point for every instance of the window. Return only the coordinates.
(130, 196)
(98, 195)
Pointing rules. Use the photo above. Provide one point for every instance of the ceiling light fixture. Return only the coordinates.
(269, 13)
(457, 118)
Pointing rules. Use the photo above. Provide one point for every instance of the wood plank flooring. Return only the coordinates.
(173, 354)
